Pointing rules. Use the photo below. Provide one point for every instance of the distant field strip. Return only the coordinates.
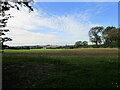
(68, 52)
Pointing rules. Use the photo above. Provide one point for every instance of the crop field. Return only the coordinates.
(61, 68)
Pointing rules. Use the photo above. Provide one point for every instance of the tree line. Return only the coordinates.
(101, 37)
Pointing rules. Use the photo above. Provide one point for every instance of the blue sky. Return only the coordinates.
(60, 23)
(100, 12)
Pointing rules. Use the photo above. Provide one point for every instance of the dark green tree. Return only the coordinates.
(110, 36)
(78, 44)
(85, 44)
(95, 34)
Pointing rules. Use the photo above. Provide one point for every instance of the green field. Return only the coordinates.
(61, 68)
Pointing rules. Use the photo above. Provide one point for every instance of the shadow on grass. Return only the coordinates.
(34, 71)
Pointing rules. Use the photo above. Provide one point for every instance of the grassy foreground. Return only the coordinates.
(76, 68)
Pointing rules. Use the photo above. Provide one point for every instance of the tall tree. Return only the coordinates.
(6, 5)
(110, 36)
(95, 34)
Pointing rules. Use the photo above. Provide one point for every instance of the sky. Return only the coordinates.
(59, 23)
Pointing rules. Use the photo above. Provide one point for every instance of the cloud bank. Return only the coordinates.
(39, 28)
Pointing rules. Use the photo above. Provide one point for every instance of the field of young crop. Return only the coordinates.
(61, 68)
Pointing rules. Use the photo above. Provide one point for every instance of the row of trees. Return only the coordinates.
(107, 37)
(101, 37)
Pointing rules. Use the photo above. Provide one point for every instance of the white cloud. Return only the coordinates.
(73, 26)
